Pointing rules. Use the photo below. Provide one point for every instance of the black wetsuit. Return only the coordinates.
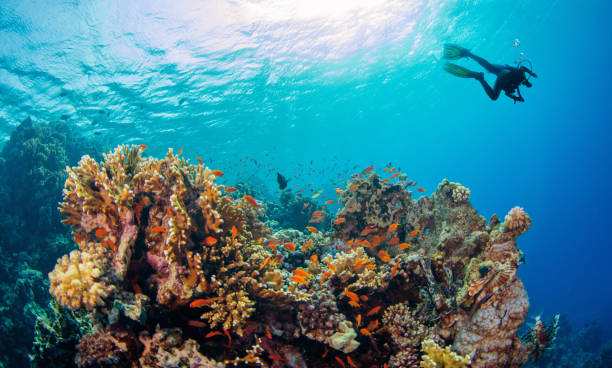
(508, 80)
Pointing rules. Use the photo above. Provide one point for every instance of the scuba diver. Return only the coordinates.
(508, 80)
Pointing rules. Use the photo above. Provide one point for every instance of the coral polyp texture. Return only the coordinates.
(176, 270)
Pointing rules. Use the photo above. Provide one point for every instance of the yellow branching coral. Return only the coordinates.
(438, 357)
(230, 311)
(76, 281)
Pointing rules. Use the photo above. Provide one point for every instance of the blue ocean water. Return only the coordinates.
(317, 89)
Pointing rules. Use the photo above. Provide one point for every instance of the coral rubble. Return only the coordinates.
(177, 274)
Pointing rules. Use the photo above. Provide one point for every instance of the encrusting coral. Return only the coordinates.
(438, 357)
(161, 244)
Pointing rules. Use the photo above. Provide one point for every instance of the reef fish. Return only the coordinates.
(290, 246)
(373, 311)
(414, 232)
(282, 181)
(404, 245)
(298, 280)
(251, 201)
(317, 193)
(302, 273)
(384, 256)
(339, 360)
(392, 227)
(421, 190)
(201, 302)
(339, 220)
(200, 160)
(217, 173)
(210, 240)
(158, 229)
(312, 229)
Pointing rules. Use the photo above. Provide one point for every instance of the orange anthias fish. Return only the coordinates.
(359, 262)
(365, 331)
(403, 246)
(229, 189)
(373, 311)
(312, 229)
(265, 263)
(370, 267)
(302, 273)
(364, 298)
(369, 169)
(358, 320)
(339, 360)
(201, 302)
(194, 323)
(142, 147)
(217, 173)
(373, 325)
(325, 275)
(200, 160)
(307, 245)
(213, 333)
(394, 176)
(394, 241)
(268, 334)
(384, 256)
(229, 337)
(351, 295)
(350, 362)
(314, 259)
(251, 201)
(234, 232)
(421, 190)
(210, 240)
(391, 170)
(290, 246)
(331, 201)
(354, 304)
(339, 191)
(298, 280)
(158, 229)
(339, 220)
(394, 269)
(277, 357)
(354, 187)
(414, 232)
(366, 231)
(100, 233)
(392, 227)
(180, 151)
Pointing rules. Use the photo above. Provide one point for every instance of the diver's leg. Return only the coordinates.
(491, 68)
(493, 93)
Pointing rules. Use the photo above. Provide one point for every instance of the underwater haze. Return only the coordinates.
(319, 90)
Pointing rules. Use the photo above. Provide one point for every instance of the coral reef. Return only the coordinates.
(178, 274)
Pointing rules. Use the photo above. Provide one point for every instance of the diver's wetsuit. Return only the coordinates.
(508, 78)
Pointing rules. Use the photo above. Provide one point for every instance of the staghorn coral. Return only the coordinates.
(77, 280)
(438, 357)
(517, 221)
